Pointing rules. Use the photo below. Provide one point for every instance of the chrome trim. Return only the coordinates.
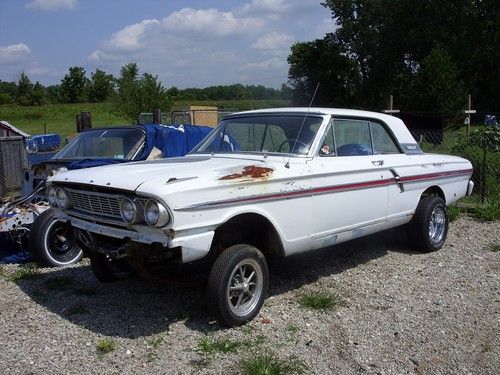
(470, 188)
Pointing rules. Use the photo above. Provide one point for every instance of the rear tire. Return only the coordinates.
(107, 270)
(237, 285)
(428, 228)
(52, 243)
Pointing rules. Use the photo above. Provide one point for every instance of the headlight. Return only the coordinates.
(51, 193)
(62, 198)
(131, 211)
(156, 215)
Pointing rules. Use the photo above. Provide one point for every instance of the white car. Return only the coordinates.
(264, 183)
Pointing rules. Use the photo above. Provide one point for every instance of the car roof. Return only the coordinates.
(397, 125)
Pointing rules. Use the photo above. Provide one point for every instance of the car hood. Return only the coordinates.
(130, 176)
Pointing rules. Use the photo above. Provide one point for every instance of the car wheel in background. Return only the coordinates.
(428, 228)
(52, 243)
(107, 270)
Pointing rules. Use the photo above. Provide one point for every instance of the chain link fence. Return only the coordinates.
(481, 147)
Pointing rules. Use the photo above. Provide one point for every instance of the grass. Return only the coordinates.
(25, 272)
(209, 346)
(2, 270)
(453, 212)
(495, 247)
(58, 283)
(153, 344)
(106, 345)
(269, 364)
(292, 328)
(488, 211)
(60, 118)
(319, 300)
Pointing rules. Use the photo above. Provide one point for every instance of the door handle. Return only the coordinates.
(378, 162)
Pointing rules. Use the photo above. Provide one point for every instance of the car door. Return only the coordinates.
(350, 182)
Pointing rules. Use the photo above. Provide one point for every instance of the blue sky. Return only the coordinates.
(189, 43)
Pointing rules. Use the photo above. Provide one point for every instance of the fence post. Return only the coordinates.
(483, 173)
(83, 121)
(157, 116)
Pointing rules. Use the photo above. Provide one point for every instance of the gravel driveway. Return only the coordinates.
(394, 312)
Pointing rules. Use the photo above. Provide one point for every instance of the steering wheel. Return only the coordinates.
(289, 140)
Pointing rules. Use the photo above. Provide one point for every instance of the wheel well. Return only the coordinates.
(434, 190)
(250, 228)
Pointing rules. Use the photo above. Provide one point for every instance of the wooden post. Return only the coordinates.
(83, 121)
(468, 112)
(156, 116)
(44, 128)
(391, 109)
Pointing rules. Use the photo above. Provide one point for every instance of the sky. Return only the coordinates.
(190, 43)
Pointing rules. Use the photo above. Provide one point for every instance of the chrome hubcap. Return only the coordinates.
(245, 287)
(437, 225)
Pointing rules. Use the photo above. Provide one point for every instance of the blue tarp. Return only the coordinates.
(171, 140)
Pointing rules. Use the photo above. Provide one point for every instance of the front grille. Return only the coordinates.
(94, 203)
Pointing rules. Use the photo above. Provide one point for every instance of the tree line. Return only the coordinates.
(429, 54)
(77, 87)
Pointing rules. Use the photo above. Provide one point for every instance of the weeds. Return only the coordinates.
(154, 344)
(269, 364)
(495, 247)
(209, 346)
(25, 272)
(292, 328)
(453, 212)
(487, 212)
(320, 300)
(106, 345)
(58, 283)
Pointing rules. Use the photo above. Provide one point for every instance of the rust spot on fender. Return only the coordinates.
(251, 171)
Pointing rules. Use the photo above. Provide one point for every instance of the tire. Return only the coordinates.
(107, 270)
(428, 228)
(52, 243)
(232, 308)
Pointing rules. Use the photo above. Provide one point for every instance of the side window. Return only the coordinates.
(328, 145)
(382, 141)
(352, 137)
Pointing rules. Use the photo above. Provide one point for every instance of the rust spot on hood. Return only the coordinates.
(251, 171)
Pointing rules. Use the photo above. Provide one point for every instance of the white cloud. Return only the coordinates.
(273, 41)
(14, 53)
(272, 64)
(129, 37)
(276, 7)
(51, 4)
(210, 21)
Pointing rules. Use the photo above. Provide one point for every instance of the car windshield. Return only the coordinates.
(116, 143)
(288, 134)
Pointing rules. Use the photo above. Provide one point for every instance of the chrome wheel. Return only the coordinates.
(245, 287)
(437, 225)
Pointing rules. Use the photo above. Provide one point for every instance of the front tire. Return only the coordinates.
(428, 228)
(52, 243)
(107, 270)
(237, 285)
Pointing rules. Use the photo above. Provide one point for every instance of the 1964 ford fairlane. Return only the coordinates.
(263, 183)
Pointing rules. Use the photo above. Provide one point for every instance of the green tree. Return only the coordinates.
(74, 85)
(321, 61)
(24, 90)
(437, 87)
(139, 94)
(38, 95)
(101, 86)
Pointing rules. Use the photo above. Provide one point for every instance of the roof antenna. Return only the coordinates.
(287, 165)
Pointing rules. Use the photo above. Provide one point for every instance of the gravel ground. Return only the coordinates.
(400, 313)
